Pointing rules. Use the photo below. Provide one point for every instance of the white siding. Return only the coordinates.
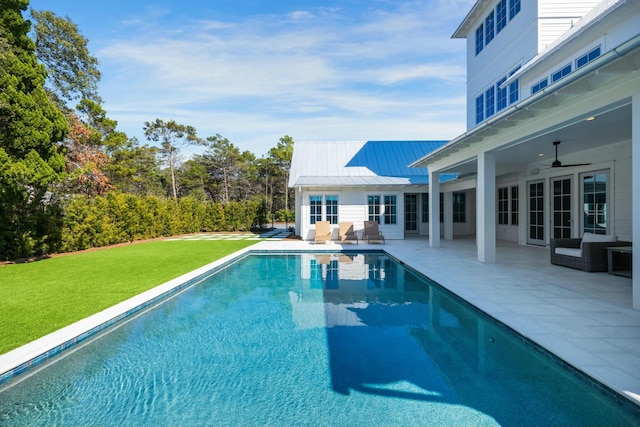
(555, 18)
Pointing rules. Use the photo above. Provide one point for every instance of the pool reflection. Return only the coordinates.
(393, 333)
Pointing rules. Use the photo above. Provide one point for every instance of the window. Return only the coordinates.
(390, 210)
(501, 15)
(540, 85)
(514, 205)
(585, 59)
(514, 8)
(514, 91)
(503, 206)
(490, 101)
(374, 208)
(479, 109)
(315, 209)
(332, 209)
(425, 207)
(479, 39)
(489, 28)
(501, 95)
(561, 73)
(459, 207)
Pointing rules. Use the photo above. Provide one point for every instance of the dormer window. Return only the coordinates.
(540, 85)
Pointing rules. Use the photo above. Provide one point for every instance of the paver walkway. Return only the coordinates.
(275, 234)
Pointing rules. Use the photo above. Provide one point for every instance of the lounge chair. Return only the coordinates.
(346, 233)
(371, 232)
(323, 232)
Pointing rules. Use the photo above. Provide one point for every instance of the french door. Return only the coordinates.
(411, 213)
(535, 206)
(561, 205)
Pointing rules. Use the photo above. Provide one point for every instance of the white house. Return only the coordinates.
(356, 181)
(547, 75)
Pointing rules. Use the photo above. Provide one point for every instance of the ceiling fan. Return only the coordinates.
(558, 164)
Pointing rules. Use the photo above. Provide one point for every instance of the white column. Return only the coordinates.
(486, 207)
(434, 209)
(448, 216)
(635, 187)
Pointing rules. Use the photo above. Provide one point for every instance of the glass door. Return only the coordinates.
(535, 234)
(411, 213)
(561, 218)
(594, 192)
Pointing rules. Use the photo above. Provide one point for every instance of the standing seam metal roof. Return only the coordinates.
(359, 163)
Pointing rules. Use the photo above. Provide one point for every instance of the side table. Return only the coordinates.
(620, 260)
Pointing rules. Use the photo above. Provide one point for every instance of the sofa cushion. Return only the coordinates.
(591, 237)
(575, 252)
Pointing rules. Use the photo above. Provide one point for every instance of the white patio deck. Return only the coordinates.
(584, 318)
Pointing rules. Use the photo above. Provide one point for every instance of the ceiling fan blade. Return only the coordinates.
(568, 166)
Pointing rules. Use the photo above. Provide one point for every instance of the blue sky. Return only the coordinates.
(256, 70)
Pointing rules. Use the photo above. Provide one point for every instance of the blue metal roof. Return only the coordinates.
(360, 163)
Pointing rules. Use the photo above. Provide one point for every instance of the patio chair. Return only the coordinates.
(371, 232)
(323, 232)
(346, 232)
(588, 253)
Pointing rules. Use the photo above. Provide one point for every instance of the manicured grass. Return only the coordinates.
(40, 297)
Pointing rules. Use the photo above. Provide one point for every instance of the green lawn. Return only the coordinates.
(40, 297)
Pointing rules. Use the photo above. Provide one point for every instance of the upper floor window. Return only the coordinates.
(501, 15)
(514, 8)
(479, 39)
(561, 73)
(540, 85)
(479, 108)
(501, 95)
(489, 28)
(490, 101)
(588, 57)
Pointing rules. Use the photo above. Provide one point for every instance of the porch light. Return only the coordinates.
(590, 118)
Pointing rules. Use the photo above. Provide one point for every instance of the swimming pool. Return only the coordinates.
(310, 339)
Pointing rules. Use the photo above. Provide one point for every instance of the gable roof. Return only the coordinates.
(359, 163)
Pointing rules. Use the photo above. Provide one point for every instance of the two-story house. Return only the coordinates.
(552, 147)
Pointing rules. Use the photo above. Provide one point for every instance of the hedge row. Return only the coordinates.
(118, 218)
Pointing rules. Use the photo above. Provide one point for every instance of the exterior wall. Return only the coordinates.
(608, 36)
(353, 207)
(515, 45)
(557, 17)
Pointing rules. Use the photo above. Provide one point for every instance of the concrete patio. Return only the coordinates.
(584, 318)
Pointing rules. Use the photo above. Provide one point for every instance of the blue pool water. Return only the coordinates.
(304, 339)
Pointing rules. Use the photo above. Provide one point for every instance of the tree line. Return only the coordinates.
(69, 179)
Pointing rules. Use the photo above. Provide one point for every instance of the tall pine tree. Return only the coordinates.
(31, 129)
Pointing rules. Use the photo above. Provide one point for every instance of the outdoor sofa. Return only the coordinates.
(588, 253)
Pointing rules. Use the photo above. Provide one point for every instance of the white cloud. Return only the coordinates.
(312, 74)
